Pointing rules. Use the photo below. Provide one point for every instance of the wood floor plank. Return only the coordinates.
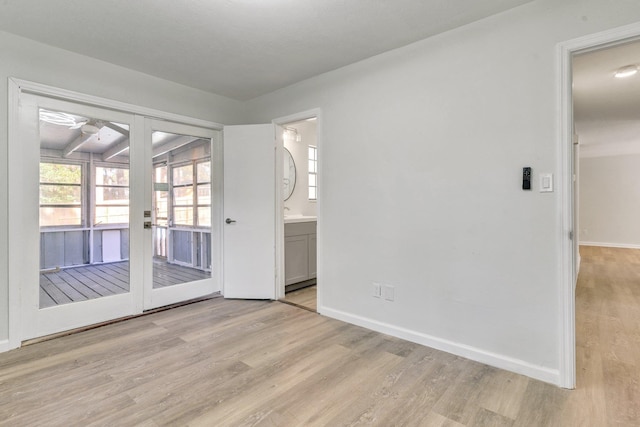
(305, 297)
(503, 393)
(228, 362)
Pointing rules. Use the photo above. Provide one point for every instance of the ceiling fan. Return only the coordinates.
(87, 126)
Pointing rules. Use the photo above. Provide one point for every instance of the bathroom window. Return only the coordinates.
(313, 173)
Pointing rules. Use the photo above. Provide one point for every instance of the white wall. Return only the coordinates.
(421, 154)
(610, 201)
(299, 202)
(28, 60)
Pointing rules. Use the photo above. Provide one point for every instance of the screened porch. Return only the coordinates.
(84, 208)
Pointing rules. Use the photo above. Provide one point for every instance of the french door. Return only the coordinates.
(113, 213)
(185, 178)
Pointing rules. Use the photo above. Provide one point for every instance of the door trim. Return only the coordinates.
(568, 249)
(16, 87)
(279, 205)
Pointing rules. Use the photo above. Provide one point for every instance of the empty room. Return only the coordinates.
(172, 174)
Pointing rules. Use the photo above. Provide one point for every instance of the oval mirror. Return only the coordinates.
(289, 180)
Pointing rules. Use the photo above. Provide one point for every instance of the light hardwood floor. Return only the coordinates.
(305, 298)
(228, 362)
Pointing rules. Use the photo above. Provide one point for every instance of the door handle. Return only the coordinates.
(230, 221)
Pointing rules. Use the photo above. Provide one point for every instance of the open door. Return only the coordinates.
(249, 212)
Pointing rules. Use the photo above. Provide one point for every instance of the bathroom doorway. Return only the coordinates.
(298, 169)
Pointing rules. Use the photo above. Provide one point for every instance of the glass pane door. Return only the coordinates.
(181, 213)
(83, 207)
(75, 240)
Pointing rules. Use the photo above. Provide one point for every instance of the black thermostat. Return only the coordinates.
(526, 178)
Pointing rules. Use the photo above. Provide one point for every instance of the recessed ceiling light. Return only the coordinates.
(626, 71)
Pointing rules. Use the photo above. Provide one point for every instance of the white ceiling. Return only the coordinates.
(607, 109)
(237, 48)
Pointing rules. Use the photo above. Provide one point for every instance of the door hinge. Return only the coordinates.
(571, 235)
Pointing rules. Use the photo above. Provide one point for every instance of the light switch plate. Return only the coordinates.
(376, 290)
(546, 182)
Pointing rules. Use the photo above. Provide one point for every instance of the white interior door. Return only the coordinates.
(249, 212)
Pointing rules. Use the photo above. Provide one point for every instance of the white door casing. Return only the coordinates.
(280, 124)
(566, 188)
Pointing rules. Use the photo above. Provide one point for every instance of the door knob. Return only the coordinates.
(230, 221)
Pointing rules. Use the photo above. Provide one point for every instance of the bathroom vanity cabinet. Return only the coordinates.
(299, 251)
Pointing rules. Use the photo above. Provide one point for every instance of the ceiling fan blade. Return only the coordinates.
(78, 125)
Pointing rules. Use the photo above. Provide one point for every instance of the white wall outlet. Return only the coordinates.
(376, 290)
(389, 292)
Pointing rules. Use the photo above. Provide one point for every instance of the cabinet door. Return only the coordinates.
(312, 256)
(296, 259)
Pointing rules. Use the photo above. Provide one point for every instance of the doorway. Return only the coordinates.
(606, 90)
(117, 211)
(298, 218)
(568, 162)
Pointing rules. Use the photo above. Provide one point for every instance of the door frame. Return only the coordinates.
(279, 124)
(17, 87)
(567, 197)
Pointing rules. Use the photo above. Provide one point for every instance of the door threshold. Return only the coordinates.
(118, 320)
(297, 305)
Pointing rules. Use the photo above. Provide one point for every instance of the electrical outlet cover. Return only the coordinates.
(376, 290)
(388, 292)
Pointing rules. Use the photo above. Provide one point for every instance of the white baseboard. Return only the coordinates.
(611, 245)
(4, 346)
(497, 360)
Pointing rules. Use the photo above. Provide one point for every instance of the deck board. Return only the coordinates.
(78, 285)
(94, 281)
(59, 282)
(93, 285)
(54, 293)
